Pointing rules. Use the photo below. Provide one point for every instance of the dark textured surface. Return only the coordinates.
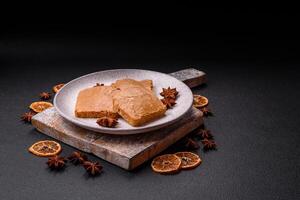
(254, 93)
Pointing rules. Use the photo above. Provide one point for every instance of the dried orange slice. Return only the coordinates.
(45, 148)
(40, 106)
(189, 160)
(57, 87)
(200, 101)
(166, 164)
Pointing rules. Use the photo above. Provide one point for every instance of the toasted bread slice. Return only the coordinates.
(135, 103)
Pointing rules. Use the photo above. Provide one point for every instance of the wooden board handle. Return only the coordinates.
(191, 77)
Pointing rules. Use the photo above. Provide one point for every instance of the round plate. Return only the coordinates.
(65, 99)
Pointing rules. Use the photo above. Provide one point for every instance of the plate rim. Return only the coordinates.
(119, 131)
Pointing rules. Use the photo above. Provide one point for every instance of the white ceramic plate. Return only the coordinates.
(65, 99)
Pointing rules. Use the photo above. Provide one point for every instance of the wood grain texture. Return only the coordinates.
(191, 77)
(126, 151)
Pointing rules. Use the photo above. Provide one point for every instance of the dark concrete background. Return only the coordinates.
(253, 90)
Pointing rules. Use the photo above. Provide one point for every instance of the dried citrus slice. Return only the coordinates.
(45, 148)
(166, 164)
(200, 101)
(57, 87)
(40, 106)
(188, 159)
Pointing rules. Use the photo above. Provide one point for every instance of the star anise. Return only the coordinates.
(77, 158)
(204, 133)
(26, 117)
(169, 93)
(93, 168)
(45, 95)
(206, 111)
(56, 162)
(107, 122)
(208, 144)
(169, 102)
(191, 144)
(99, 84)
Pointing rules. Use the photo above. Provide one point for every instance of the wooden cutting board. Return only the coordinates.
(124, 151)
